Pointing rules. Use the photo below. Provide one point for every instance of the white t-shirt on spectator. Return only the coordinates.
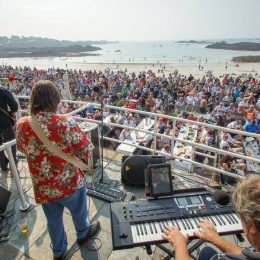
(220, 110)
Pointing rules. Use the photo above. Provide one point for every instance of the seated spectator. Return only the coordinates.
(209, 138)
(158, 102)
(243, 104)
(159, 144)
(89, 116)
(97, 116)
(191, 117)
(106, 112)
(252, 127)
(144, 140)
(234, 124)
(130, 105)
(161, 126)
(233, 142)
(228, 165)
(230, 112)
(239, 113)
(250, 114)
(198, 157)
(125, 134)
(127, 121)
(121, 117)
(166, 140)
(165, 120)
(132, 121)
(224, 142)
(179, 123)
(167, 149)
(220, 114)
(137, 119)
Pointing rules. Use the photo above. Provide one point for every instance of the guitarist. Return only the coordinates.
(7, 105)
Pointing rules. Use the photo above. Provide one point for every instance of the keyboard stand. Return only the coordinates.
(190, 249)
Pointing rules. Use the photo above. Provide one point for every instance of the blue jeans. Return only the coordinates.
(206, 253)
(76, 203)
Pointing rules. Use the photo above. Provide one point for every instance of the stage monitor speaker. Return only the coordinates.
(92, 132)
(133, 167)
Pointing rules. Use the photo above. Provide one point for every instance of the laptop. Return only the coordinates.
(4, 198)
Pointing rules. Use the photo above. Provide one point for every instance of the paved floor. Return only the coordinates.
(35, 244)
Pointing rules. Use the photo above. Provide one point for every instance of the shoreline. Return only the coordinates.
(183, 69)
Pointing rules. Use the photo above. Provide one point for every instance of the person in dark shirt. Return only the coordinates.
(181, 92)
(190, 78)
(175, 91)
(155, 92)
(7, 102)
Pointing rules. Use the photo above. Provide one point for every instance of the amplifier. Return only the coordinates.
(91, 130)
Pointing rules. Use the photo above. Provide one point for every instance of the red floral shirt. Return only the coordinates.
(52, 177)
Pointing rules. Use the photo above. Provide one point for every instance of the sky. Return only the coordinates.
(131, 20)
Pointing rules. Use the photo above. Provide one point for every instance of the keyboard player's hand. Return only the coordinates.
(209, 232)
(174, 236)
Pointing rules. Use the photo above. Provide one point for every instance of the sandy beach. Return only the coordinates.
(218, 69)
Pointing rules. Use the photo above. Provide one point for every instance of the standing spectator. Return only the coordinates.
(180, 106)
(189, 102)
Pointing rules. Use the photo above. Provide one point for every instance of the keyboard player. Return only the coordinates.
(246, 202)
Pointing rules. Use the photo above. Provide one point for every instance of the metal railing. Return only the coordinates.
(173, 139)
(7, 146)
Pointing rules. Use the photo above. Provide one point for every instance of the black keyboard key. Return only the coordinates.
(186, 222)
(196, 221)
(227, 219)
(137, 229)
(190, 223)
(216, 217)
(234, 218)
(151, 229)
(145, 229)
(183, 224)
(154, 226)
(221, 219)
(142, 233)
(212, 220)
(231, 218)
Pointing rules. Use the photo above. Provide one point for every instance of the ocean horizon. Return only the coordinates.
(144, 52)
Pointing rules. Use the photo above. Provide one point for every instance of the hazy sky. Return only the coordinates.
(131, 20)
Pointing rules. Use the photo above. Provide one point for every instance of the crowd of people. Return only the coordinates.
(233, 102)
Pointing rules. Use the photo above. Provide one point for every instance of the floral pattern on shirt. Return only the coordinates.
(52, 177)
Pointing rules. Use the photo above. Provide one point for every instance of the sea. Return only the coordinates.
(143, 52)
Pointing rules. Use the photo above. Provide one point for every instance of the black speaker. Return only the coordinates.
(133, 167)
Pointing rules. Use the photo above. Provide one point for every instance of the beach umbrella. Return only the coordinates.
(67, 87)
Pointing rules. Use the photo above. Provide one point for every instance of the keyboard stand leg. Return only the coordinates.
(172, 253)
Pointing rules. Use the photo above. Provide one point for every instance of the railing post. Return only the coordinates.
(155, 134)
(173, 136)
(25, 206)
(192, 158)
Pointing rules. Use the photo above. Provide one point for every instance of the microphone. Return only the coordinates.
(220, 196)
